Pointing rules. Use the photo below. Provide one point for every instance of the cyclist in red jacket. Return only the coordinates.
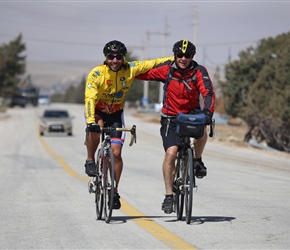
(184, 81)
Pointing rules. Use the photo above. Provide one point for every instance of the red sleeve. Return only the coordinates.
(205, 86)
(158, 73)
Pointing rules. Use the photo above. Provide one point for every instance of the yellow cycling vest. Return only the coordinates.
(106, 89)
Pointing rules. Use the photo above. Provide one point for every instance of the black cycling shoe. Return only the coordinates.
(90, 168)
(116, 202)
(167, 205)
(200, 169)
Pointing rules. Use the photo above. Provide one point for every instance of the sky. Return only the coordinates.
(78, 30)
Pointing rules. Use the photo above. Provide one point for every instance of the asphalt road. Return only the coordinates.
(243, 203)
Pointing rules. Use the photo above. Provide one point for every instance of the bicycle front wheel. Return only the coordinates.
(189, 179)
(179, 197)
(99, 190)
(109, 179)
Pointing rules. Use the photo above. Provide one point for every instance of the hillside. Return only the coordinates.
(54, 76)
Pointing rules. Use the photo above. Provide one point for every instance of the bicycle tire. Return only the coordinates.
(189, 185)
(98, 183)
(179, 197)
(109, 179)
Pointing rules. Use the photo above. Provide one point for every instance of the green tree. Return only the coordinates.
(257, 89)
(70, 94)
(12, 66)
(80, 90)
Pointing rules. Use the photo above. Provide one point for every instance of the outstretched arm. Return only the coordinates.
(141, 67)
(206, 89)
(158, 73)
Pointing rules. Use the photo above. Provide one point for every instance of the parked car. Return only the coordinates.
(30, 93)
(18, 100)
(55, 120)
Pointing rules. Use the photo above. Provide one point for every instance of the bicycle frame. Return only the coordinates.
(104, 182)
(185, 180)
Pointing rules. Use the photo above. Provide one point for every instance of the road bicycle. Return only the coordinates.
(103, 184)
(185, 178)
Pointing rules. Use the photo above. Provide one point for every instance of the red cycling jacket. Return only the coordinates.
(183, 90)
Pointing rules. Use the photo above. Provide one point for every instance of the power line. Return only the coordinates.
(136, 47)
(228, 43)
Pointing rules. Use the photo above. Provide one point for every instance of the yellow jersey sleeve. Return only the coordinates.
(91, 95)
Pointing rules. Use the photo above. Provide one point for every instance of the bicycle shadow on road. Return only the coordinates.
(124, 219)
(196, 220)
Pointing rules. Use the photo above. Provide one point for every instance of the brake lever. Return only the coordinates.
(133, 132)
(212, 126)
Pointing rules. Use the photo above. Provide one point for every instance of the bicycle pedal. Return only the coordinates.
(91, 187)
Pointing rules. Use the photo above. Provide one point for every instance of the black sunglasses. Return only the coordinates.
(111, 57)
(180, 55)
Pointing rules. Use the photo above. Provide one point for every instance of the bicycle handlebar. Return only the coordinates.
(131, 130)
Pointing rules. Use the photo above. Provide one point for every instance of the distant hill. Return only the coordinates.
(55, 76)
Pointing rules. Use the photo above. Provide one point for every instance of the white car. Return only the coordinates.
(55, 120)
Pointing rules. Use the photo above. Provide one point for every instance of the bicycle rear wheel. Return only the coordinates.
(189, 181)
(179, 193)
(109, 179)
(98, 183)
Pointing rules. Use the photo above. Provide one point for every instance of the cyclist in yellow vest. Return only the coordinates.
(106, 89)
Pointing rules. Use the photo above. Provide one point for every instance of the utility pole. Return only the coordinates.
(195, 28)
(165, 34)
(146, 84)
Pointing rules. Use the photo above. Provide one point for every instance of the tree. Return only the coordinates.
(80, 97)
(257, 89)
(12, 66)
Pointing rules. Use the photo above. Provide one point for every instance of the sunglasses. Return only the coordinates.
(112, 57)
(180, 55)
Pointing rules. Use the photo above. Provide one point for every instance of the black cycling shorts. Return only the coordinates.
(168, 134)
(115, 120)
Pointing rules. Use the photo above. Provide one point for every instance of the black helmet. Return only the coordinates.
(115, 47)
(184, 46)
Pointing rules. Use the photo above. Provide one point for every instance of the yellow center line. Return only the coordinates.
(160, 233)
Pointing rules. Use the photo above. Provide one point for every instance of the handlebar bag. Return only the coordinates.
(190, 125)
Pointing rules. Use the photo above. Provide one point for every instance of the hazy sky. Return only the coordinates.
(78, 30)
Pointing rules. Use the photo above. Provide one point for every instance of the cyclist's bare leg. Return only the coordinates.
(92, 145)
(93, 140)
(168, 168)
(118, 161)
(200, 144)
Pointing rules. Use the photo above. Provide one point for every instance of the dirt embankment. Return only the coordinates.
(231, 134)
